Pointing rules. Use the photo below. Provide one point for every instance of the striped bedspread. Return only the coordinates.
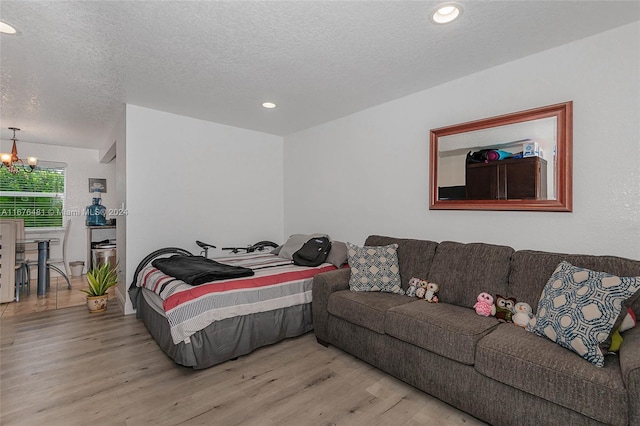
(277, 283)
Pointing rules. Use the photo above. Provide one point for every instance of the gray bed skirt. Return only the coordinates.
(226, 339)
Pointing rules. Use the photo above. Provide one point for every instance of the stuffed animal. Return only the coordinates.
(522, 314)
(422, 289)
(484, 306)
(432, 293)
(628, 322)
(414, 283)
(504, 308)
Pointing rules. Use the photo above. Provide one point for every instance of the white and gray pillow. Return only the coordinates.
(579, 308)
(338, 254)
(374, 268)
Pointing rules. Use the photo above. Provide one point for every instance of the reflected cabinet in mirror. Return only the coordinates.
(518, 161)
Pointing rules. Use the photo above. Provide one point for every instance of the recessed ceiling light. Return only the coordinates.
(446, 13)
(6, 28)
(269, 105)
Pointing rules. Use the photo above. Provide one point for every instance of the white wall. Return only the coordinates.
(189, 179)
(118, 135)
(368, 173)
(81, 165)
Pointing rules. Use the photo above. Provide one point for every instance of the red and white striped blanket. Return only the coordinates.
(277, 284)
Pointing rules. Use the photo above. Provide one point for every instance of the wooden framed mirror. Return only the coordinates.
(517, 161)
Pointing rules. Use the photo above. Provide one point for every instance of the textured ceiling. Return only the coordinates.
(65, 77)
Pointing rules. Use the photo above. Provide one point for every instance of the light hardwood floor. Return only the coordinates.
(69, 367)
(58, 297)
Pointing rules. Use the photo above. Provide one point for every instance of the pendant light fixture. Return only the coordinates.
(13, 163)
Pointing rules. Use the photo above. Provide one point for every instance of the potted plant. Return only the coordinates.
(100, 280)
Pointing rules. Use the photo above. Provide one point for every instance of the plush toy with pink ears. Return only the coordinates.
(485, 306)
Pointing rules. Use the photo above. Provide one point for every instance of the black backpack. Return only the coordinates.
(478, 156)
(313, 252)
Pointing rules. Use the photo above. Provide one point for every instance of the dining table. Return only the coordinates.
(43, 255)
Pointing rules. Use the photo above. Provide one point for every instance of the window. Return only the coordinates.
(36, 197)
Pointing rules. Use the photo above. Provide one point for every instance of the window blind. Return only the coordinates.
(36, 197)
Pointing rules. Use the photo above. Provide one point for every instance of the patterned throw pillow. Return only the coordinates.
(374, 268)
(578, 309)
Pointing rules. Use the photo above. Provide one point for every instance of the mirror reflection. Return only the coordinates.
(517, 161)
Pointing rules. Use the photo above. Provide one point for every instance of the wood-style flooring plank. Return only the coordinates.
(69, 367)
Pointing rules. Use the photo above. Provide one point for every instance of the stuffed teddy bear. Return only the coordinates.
(504, 308)
(522, 314)
(432, 293)
(484, 306)
(414, 283)
(422, 289)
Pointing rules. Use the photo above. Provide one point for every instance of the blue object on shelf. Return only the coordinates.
(497, 154)
(96, 212)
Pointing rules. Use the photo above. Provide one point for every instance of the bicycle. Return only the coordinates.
(259, 246)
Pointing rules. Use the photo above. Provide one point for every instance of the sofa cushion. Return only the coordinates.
(534, 364)
(463, 271)
(414, 256)
(530, 271)
(579, 307)
(366, 309)
(448, 330)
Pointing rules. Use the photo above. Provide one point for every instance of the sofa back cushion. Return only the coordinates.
(531, 270)
(414, 256)
(465, 270)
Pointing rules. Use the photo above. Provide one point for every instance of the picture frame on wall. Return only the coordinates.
(97, 184)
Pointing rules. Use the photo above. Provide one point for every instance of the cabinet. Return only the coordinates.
(512, 179)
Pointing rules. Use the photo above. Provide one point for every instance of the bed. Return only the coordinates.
(204, 325)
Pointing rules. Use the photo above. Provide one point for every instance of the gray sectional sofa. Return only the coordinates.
(497, 372)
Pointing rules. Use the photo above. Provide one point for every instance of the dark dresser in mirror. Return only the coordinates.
(517, 161)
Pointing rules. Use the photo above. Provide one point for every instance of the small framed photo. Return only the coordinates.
(99, 185)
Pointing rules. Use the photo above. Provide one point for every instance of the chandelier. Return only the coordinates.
(15, 164)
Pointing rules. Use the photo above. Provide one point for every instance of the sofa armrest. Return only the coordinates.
(630, 365)
(323, 285)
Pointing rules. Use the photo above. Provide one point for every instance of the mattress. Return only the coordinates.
(277, 284)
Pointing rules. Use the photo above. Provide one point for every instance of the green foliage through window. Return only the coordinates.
(20, 199)
(41, 180)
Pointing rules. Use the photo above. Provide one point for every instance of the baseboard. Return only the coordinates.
(125, 305)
